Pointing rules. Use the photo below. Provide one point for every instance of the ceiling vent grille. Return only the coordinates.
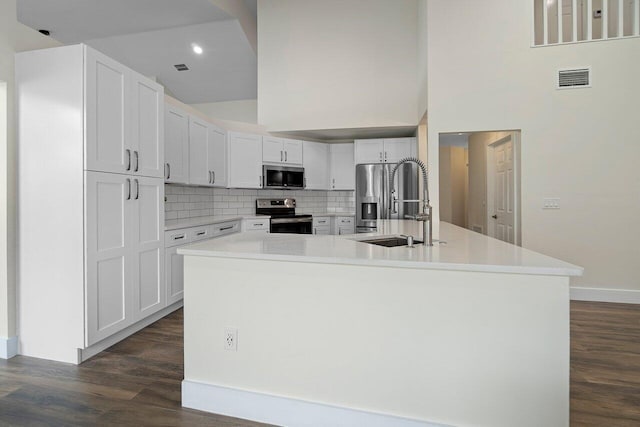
(574, 78)
(181, 67)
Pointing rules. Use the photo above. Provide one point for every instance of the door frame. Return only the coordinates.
(514, 137)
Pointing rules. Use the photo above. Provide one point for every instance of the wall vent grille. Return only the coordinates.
(181, 67)
(574, 78)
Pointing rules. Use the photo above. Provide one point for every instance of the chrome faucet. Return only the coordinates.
(426, 215)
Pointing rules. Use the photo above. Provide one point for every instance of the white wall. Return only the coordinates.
(245, 110)
(579, 145)
(422, 57)
(14, 37)
(333, 64)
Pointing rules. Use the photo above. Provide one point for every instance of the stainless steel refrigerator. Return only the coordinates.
(373, 193)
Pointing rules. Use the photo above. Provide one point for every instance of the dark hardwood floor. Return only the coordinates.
(137, 382)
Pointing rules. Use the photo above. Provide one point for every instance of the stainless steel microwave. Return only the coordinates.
(285, 177)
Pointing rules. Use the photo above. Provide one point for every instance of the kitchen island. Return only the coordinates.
(328, 330)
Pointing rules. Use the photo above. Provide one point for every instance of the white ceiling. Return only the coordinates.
(151, 36)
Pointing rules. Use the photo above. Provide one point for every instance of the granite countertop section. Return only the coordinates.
(464, 250)
(177, 224)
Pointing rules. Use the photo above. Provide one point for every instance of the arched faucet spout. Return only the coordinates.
(426, 216)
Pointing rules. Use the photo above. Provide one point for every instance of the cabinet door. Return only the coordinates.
(343, 170)
(217, 156)
(316, 165)
(106, 92)
(147, 246)
(174, 274)
(176, 145)
(245, 160)
(272, 150)
(292, 151)
(147, 126)
(198, 152)
(397, 149)
(109, 204)
(369, 151)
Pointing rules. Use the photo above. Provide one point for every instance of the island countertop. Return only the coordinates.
(459, 250)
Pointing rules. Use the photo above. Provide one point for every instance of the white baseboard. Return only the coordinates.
(8, 347)
(278, 410)
(625, 296)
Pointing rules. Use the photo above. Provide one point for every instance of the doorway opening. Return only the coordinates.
(480, 182)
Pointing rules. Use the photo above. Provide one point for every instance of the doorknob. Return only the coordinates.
(494, 216)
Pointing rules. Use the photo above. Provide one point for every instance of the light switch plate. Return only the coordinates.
(551, 203)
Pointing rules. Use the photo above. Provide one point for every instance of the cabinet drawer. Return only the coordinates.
(176, 238)
(322, 230)
(224, 228)
(255, 224)
(320, 221)
(199, 233)
(344, 220)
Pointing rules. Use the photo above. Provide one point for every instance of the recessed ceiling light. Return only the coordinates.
(196, 49)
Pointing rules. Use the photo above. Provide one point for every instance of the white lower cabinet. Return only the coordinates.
(256, 225)
(174, 262)
(124, 262)
(321, 225)
(343, 225)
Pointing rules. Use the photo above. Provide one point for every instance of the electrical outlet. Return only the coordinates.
(231, 339)
(551, 203)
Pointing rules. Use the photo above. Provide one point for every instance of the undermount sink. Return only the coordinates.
(390, 242)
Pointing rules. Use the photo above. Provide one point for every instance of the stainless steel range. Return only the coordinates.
(283, 216)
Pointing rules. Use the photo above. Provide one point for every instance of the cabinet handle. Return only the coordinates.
(226, 228)
(209, 177)
(280, 155)
(385, 156)
(201, 233)
(315, 231)
(213, 173)
(285, 156)
(380, 155)
(260, 181)
(137, 189)
(136, 154)
(129, 188)
(180, 237)
(128, 159)
(258, 225)
(168, 171)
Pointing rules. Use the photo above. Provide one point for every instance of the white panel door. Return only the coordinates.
(217, 156)
(147, 247)
(108, 207)
(107, 132)
(292, 151)
(343, 170)
(504, 215)
(174, 274)
(245, 160)
(147, 126)
(316, 165)
(176, 145)
(369, 151)
(272, 150)
(397, 149)
(199, 172)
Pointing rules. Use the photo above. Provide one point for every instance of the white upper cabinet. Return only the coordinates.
(397, 149)
(147, 126)
(176, 144)
(217, 156)
(124, 116)
(316, 165)
(107, 122)
(199, 172)
(369, 151)
(245, 160)
(390, 150)
(343, 170)
(281, 150)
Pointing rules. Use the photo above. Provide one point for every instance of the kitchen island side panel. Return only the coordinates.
(451, 347)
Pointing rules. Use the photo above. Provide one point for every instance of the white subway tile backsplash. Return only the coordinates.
(188, 202)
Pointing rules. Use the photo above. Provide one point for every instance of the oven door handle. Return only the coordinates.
(290, 220)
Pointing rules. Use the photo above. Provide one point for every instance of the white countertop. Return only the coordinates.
(334, 214)
(176, 224)
(464, 250)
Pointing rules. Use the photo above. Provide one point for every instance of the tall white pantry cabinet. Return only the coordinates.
(90, 202)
